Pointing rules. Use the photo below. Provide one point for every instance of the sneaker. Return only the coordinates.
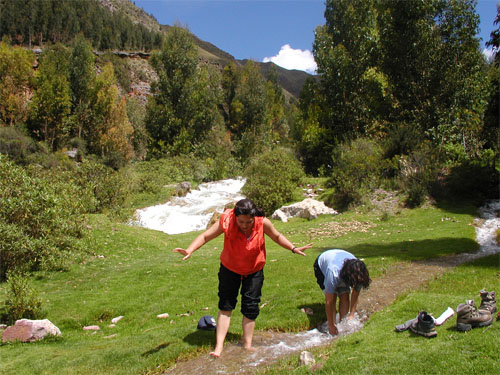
(488, 301)
(469, 317)
(424, 325)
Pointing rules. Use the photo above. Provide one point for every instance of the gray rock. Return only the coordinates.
(27, 330)
(308, 209)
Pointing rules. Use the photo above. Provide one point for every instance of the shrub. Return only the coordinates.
(357, 167)
(22, 300)
(41, 219)
(15, 144)
(272, 178)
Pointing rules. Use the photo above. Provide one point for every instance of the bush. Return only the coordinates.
(22, 300)
(41, 219)
(418, 174)
(357, 167)
(16, 145)
(272, 178)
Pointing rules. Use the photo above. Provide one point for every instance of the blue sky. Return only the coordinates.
(281, 31)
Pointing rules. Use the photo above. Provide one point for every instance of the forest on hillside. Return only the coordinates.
(405, 100)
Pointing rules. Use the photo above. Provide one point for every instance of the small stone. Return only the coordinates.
(306, 358)
(117, 319)
(91, 328)
(162, 316)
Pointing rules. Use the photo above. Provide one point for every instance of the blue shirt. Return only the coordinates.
(330, 263)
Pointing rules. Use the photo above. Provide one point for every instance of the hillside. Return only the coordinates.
(291, 80)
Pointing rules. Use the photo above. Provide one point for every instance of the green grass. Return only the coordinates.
(378, 349)
(135, 274)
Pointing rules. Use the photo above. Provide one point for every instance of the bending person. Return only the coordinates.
(242, 262)
(337, 272)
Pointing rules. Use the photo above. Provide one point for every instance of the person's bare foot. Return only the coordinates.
(214, 355)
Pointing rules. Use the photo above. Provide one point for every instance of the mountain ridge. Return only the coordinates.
(290, 80)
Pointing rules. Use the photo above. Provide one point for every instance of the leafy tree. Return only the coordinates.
(112, 133)
(82, 81)
(51, 102)
(16, 80)
(183, 105)
(345, 49)
(416, 64)
(491, 132)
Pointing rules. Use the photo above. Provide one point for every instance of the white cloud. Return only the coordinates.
(290, 58)
(489, 54)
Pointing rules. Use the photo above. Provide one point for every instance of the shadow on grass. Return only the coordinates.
(319, 315)
(201, 338)
(155, 350)
(412, 250)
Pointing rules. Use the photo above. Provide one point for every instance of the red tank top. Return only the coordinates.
(241, 254)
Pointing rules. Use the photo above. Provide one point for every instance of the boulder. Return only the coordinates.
(308, 209)
(27, 330)
(183, 188)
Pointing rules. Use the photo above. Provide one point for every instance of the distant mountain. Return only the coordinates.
(291, 80)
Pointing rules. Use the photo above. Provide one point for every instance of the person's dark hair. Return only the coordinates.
(246, 207)
(354, 272)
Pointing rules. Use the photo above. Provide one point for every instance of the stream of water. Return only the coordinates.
(193, 211)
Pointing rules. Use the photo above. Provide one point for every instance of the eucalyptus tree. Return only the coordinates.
(183, 106)
(51, 103)
(392, 68)
(82, 81)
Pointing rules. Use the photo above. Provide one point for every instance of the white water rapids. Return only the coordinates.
(192, 212)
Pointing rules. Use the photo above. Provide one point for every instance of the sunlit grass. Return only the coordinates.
(134, 273)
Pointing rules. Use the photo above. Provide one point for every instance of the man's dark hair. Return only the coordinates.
(354, 272)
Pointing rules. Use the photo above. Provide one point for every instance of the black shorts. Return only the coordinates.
(320, 278)
(251, 289)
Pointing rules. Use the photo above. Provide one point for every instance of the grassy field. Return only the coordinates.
(135, 274)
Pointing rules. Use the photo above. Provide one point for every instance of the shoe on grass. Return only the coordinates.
(469, 317)
(488, 301)
(424, 325)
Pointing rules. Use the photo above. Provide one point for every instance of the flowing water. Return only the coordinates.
(193, 211)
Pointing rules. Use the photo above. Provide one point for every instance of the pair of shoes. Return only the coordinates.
(469, 317)
(424, 325)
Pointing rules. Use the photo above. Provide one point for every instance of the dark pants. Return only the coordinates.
(251, 287)
(320, 278)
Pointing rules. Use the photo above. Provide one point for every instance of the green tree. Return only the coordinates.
(82, 81)
(491, 131)
(112, 133)
(346, 49)
(51, 102)
(16, 80)
(183, 104)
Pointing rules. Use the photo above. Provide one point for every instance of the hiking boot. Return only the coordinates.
(424, 325)
(469, 317)
(488, 301)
